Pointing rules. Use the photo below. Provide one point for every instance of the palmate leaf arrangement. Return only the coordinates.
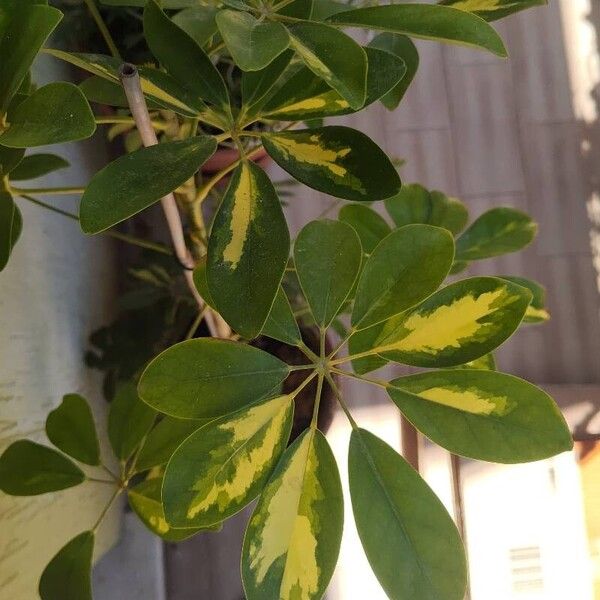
(205, 431)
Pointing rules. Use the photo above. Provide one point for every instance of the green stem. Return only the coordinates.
(116, 494)
(50, 191)
(91, 4)
(196, 322)
(340, 400)
(378, 382)
(303, 384)
(342, 343)
(307, 352)
(107, 470)
(346, 359)
(95, 480)
(315, 415)
(129, 120)
(301, 367)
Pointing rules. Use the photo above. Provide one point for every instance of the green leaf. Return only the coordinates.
(298, 9)
(104, 91)
(336, 160)
(404, 269)
(248, 250)
(328, 256)
(11, 225)
(415, 204)
(333, 56)
(293, 538)
(281, 324)
(30, 469)
(430, 22)
(10, 159)
(370, 226)
(129, 420)
(71, 428)
(208, 378)
(498, 231)
(198, 22)
(483, 414)
(490, 10)
(253, 43)
(410, 540)
(164, 3)
(256, 85)
(37, 165)
(536, 311)
(487, 362)
(224, 465)
(402, 47)
(182, 57)
(56, 113)
(135, 181)
(363, 341)
(68, 574)
(26, 28)
(456, 325)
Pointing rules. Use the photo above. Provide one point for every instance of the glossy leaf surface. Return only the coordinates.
(370, 226)
(536, 311)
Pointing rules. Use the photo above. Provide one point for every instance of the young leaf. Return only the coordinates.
(129, 420)
(483, 414)
(404, 269)
(281, 324)
(248, 250)
(456, 325)
(206, 378)
(253, 43)
(490, 10)
(224, 465)
(536, 311)
(327, 255)
(37, 165)
(498, 231)
(71, 428)
(333, 56)
(198, 22)
(30, 469)
(68, 574)
(336, 160)
(57, 112)
(370, 226)
(410, 540)
(11, 225)
(135, 181)
(430, 22)
(293, 538)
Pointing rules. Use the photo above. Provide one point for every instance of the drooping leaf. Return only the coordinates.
(370, 226)
(490, 10)
(409, 538)
(536, 311)
(68, 574)
(30, 469)
(404, 269)
(224, 465)
(336, 160)
(56, 113)
(333, 56)
(248, 250)
(415, 204)
(135, 181)
(498, 231)
(70, 427)
(281, 324)
(205, 378)
(11, 224)
(129, 420)
(37, 165)
(327, 255)
(430, 22)
(198, 22)
(293, 538)
(483, 414)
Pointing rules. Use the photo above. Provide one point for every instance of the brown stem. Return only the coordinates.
(459, 508)
(410, 443)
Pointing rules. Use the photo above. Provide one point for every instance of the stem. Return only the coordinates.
(346, 359)
(95, 480)
(410, 443)
(378, 382)
(50, 191)
(307, 352)
(124, 119)
(341, 401)
(315, 415)
(301, 367)
(342, 343)
(103, 28)
(107, 470)
(196, 323)
(303, 385)
(116, 494)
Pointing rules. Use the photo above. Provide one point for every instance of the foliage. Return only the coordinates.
(200, 428)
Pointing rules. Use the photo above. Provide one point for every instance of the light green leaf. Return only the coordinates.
(336, 160)
(404, 269)
(536, 311)
(415, 204)
(370, 226)
(410, 540)
(68, 574)
(135, 181)
(328, 256)
(293, 539)
(30, 469)
(498, 231)
(456, 325)
(11, 225)
(70, 427)
(333, 56)
(281, 324)
(206, 378)
(198, 22)
(56, 113)
(37, 165)
(224, 465)
(129, 420)
(490, 10)
(430, 22)
(483, 414)
(248, 250)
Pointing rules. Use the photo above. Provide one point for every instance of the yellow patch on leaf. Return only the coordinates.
(316, 103)
(469, 400)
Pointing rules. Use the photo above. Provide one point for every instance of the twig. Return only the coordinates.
(91, 4)
(410, 443)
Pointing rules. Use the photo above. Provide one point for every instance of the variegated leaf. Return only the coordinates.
(487, 362)
(490, 10)
(224, 465)
(293, 538)
(483, 414)
(362, 342)
(536, 311)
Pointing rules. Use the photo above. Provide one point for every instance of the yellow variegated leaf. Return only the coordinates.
(223, 466)
(293, 538)
(490, 10)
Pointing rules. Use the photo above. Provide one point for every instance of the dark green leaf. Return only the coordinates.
(363, 341)
(201, 283)
(536, 312)
(30, 469)
(37, 165)
(370, 226)
(165, 3)
(257, 85)
(103, 91)
(198, 22)
(490, 10)
(298, 9)
(10, 158)
(11, 224)
(281, 324)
